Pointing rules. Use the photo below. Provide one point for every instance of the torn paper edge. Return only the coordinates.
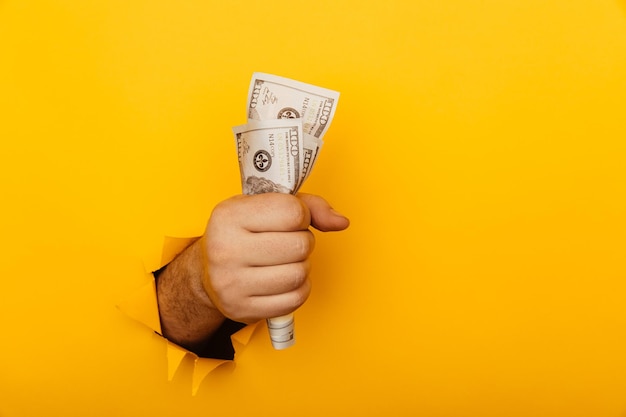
(141, 306)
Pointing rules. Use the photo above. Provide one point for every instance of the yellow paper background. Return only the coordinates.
(478, 149)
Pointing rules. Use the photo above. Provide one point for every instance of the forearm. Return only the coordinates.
(188, 317)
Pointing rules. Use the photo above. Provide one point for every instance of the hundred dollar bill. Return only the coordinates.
(270, 155)
(274, 97)
(311, 149)
(277, 149)
(270, 159)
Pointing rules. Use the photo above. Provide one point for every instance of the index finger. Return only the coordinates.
(269, 212)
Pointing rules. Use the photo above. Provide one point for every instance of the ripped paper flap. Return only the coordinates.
(141, 305)
(172, 246)
(175, 355)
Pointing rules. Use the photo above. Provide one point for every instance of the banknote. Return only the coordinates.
(278, 147)
(282, 331)
(274, 97)
(270, 154)
(311, 148)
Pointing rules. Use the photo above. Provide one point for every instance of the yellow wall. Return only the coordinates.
(478, 148)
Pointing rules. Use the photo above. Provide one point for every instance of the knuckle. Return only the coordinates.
(300, 296)
(218, 286)
(221, 211)
(224, 212)
(298, 300)
(231, 308)
(224, 251)
(296, 213)
(300, 274)
(225, 288)
(218, 253)
(302, 246)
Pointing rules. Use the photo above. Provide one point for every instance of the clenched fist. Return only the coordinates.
(252, 263)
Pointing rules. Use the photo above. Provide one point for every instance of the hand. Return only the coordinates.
(257, 249)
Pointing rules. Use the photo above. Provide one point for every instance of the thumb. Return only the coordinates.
(323, 216)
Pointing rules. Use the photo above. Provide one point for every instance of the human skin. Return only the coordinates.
(251, 263)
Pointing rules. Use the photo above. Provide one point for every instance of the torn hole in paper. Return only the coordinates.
(141, 305)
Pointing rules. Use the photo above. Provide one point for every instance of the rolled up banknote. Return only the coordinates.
(270, 155)
(278, 148)
(270, 159)
(273, 97)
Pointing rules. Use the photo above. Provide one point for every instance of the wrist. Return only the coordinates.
(198, 280)
(188, 316)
